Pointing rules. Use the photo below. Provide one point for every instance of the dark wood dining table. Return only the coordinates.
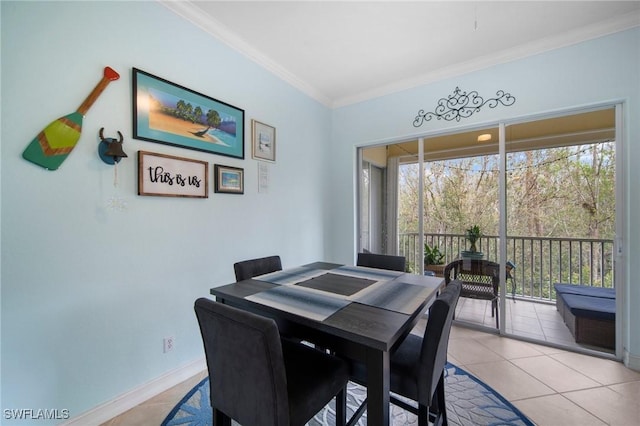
(355, 312)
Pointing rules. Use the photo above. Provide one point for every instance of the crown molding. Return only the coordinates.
(569, 38)
(195, 15)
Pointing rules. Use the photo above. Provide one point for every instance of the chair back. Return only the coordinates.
(435, 343)
(252, 268)
(382, 261)
(247, 374)
(474, 271)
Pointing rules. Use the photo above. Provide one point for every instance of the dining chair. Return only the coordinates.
(256, 378)
(382, 261)
(510, 266)
(254, 267)
(417, 366)
(480, 280)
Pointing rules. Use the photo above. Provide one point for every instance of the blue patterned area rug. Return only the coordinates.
(469, 402)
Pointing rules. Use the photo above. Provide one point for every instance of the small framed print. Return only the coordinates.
(264, 141)
(228, 180)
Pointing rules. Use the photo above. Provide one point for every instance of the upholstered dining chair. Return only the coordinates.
(417, 366)
(254, 267)
(382, 261)
(256, 378)
(480, 280)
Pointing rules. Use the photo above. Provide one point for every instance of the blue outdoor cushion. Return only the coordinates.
(590, 307)
(585, 290)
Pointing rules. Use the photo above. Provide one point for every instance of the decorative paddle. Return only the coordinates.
(52, 145)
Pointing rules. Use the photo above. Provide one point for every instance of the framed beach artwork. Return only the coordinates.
(171, 114)
(263, 141)
(229, 180)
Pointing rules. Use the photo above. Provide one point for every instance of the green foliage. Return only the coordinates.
(433, 255)
(213, 118)
(557, 192)
(473, 234)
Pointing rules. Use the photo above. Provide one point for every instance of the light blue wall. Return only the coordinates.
(88, 293)
(590, 73)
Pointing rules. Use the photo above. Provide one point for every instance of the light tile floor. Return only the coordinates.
(552, 386)
(530, 320)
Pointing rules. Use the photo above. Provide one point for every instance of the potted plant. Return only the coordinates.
(473, 234)
(433, 259)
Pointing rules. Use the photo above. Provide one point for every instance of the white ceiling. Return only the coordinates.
(343, 52)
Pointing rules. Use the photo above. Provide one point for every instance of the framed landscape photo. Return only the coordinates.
(229, 180)
(263, 141)
(169, 176)
(171, 114)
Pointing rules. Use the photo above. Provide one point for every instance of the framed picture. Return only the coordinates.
(264, 141)
(168, 113)
(169, 176)
(229, 180)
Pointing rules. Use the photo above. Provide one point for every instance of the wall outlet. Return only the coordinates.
(167, 344)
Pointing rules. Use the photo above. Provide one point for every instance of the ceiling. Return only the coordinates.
(341, 52)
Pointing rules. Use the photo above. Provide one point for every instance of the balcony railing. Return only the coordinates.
(540, 262)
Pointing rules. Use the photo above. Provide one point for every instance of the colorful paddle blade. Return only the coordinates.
(52, 145)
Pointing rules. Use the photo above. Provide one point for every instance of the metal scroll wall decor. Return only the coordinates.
(462, 105)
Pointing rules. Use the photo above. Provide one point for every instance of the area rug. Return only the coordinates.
(469, 402)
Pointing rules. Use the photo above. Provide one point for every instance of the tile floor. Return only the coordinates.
(550, 385)
(526, 319)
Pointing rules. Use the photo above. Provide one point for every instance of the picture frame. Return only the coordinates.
(170, 176)
(228, 180)
(167, 113)
(263, 143)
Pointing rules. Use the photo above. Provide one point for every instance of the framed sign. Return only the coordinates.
(229, 180)
(168, 113)
(263, 146)
(169, 176)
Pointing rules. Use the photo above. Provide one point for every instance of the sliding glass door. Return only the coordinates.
(540, 192)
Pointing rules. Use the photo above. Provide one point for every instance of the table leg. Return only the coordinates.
(377, 388)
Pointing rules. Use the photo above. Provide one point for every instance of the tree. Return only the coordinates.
(213, 118)
(197, 114)
(558, 192)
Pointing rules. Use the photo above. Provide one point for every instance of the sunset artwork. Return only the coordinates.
(167, 113)
(173, 115)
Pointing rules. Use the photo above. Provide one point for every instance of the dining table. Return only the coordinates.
(354, 312)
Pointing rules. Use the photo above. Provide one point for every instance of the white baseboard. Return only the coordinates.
(632, 361)
(130, 399)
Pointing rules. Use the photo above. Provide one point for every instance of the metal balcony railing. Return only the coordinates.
(539, 262)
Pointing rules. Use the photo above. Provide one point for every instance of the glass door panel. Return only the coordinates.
(560, 183)
(461, 212)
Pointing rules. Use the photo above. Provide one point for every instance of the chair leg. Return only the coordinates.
(220, 419)
(423, 415)
(341, 407)
(495, 303)
(438, 405)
